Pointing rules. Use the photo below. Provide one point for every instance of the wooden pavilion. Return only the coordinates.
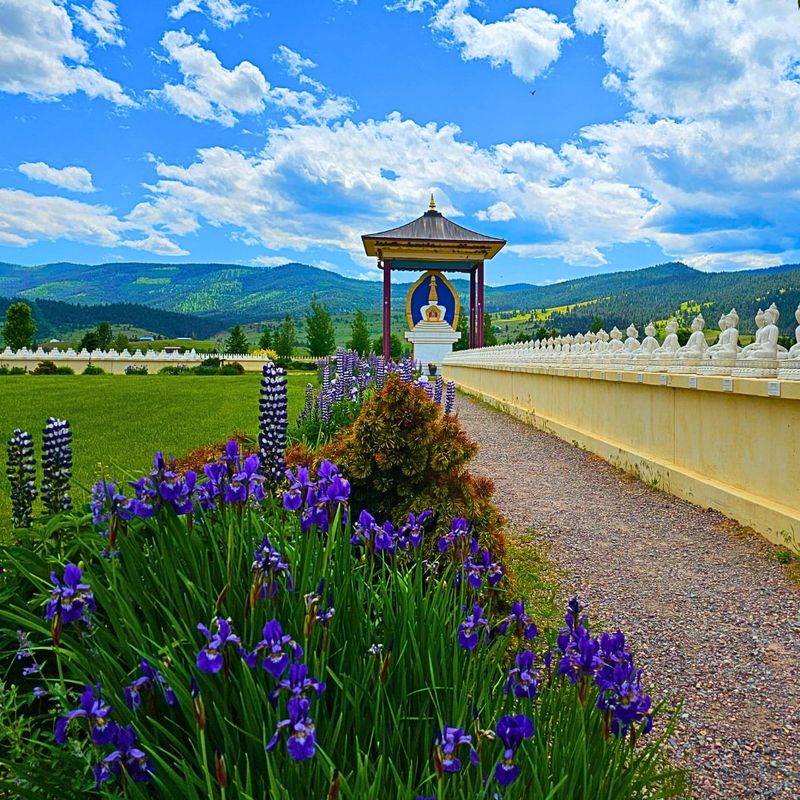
(433, 242)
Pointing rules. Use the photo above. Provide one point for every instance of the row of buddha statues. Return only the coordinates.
(763, 358)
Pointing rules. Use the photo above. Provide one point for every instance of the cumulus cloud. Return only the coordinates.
(223, 13)
(76, 179)
(410, 5)
(26, 218)
(528, 39)
(497, 212)
(41, 57)
(210, 91)
(102, 20)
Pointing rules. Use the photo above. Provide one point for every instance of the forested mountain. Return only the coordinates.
(222, 294)
(54, 319)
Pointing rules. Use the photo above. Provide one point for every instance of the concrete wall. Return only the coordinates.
(728, 444)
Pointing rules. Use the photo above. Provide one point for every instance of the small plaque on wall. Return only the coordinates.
(773, 389)
(619, 376)
(639, 377)
(663, 379)
(727, 384)
(693, 381)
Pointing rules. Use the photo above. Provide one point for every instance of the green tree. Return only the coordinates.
(284, 338)
(489, 339)
(20, 328)
(265, 342)
(237, 341)
(320, 335)
(90, 341)
(463, 329)
(105, 335)
(120, 342)
(597, 323)
(395, 347)
(359, 334)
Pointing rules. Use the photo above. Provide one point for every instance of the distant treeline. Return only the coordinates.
(54, 317)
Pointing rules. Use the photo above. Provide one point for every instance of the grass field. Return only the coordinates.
(118, 422)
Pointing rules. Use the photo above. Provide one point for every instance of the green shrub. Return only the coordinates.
(212, 361)
(17, 371)
(93, 369)
(231, 368)
(175, 369)
(402, 452)
(136, 370)
(4, 370)
(46, 368)
(309, 366)
(64, 371)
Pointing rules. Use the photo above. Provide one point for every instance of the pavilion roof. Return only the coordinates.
(434, 230)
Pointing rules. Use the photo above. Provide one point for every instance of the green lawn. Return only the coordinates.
(118, 422)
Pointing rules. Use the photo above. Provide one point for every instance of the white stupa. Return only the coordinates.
(433, 337)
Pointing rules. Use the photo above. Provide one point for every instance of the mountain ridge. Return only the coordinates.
(223, 293)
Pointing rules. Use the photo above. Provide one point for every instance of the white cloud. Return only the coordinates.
(528, 39)
(497, 212)
(296, 65)
(27, 218)
(102, 20)
(270, 261)
(210, 91)
(76, 179)
(40, 56)
(575, 253)
(223, 13)
(410, 5)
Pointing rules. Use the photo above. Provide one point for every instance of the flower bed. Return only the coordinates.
(230, 636)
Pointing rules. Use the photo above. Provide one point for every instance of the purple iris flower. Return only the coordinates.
(211, 657)
(302, 742)
(293, 497)
(511, 731)
(469, 631)
(478, 566)
(522, 678)
(385, 541)
(108, 502)
(128, 756)
(268, 565)
(459, 540)
(278, 646)
(363, 530)
(413, 530)
(297, 684)
(97, 714)
(519, 619)
(70, 601)
(149, 679)
(446, 746)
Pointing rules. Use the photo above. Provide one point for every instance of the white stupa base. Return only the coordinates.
(432, 341)
(790, 370)
(755, 368)
(718, 366)
(686, 366)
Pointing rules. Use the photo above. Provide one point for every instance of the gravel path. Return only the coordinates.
(708, 609)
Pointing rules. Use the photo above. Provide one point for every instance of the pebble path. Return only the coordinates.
(709, 611)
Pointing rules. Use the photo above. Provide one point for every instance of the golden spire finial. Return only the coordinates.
(432, 206)
(433, 297)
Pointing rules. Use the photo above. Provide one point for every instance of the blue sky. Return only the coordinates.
(281, 130)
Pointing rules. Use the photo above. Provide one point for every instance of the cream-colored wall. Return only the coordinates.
(726, 444)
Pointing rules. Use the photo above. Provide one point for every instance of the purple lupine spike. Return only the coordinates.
(56, 465)
(450, 398)
(21, 471)
(438, 388)
(273, 422)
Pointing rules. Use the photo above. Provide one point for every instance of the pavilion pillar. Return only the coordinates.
(472, 339)
(387, 310)
(480, 310)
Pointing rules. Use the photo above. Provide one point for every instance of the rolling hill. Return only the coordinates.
(218, 295)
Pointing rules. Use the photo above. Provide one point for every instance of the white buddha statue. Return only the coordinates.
(649, 344)
(632, 342)
(665, 355)
(690, 356)
(615, 345)
(721, 357)
(760, 360)
(601, 345)
(790, 369)
(760, 321)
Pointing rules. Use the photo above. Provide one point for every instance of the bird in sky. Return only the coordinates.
(534, 91)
